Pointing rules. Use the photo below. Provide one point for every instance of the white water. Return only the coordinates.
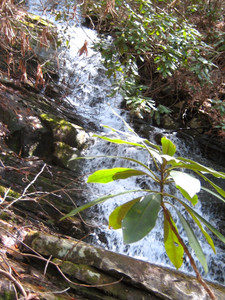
(85, 76)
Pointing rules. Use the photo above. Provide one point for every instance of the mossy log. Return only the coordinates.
(159, 282)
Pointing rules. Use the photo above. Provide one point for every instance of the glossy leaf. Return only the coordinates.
(96, 201)
(116, 217)
(141, 218)
(193, 200)
(170, 159)
(187, 182)
(193, 241)
(174, 249)
(192, 165)
(108, 175)
(118, 141)
(167, 146)
(112, 156)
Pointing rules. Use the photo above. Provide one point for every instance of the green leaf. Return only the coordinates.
(170, 159)
(207, 236)
(214, 194)
(216, 187)
(94, 202)
(116, 217)
(193, 200)
(193, 241)
(192, 165)
(117, 157)
(174, 249)
(206, 223)
(108, 175)
(118, 141)
(187, 182)
(141, 218)
(167, 146)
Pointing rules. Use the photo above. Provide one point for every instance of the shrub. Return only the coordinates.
(137, 217)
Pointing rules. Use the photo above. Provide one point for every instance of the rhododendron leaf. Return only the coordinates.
(174, 249)
(141, 218)
(116, 217)
(108, 175)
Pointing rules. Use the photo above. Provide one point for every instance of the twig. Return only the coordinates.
(89, 225)
(57, 292)
(26, 188)
(47, 263)
(16, 282)
(33, 181)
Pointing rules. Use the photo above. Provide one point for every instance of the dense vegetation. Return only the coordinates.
(167, 57)
(171, 55)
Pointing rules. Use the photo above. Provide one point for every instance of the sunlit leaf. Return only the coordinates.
(118, 141)
(141, 218)
(108, 175)
(112, 156)
(174, 249)
(193, 200)
(193, 241)
(192, 165)
(167, 146)
(170, 159)
(94, 202)
(187, 182)
(116, 217)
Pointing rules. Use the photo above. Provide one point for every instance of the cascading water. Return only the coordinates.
(90, 87)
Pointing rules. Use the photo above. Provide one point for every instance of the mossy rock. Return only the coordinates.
(65, 155)
(66, 132)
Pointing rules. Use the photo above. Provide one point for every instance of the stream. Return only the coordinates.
(85, 76)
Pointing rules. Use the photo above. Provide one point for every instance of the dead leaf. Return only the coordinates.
(44, 38)
(23, 69)
(83, 49)
(39, 76)
(25, 45)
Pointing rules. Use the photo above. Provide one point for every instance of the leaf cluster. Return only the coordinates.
(137, 217)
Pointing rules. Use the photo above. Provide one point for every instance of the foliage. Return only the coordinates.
(138, 216)
(151, 40)
(219, 108)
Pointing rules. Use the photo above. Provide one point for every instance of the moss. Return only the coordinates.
(66, 132)
(37, 19)
(4, 216)
(66, 154)
(80, 271)
(59, 124)
(10, 193)
(8, 295)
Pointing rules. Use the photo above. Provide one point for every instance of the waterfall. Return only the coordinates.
(90, 87)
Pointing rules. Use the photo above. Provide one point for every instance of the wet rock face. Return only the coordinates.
(32, 128)
(68, 140)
